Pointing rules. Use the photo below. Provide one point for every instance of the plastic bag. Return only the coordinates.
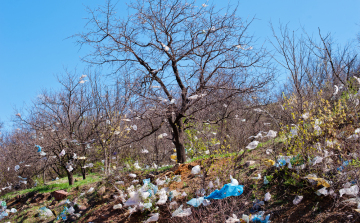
(271, 134)
(252, 145)
(267, 196)
(133, 200)
(154, 217)
(45, 212)
(232, 219)
(265, 180)
(196, 202)
(117, 206)
(132, 175)
(257, 178)
(353, 191)
(17, 167)
(297, 199)
(234, 182)
(13, 210)
(136, 165)
(211, 185)
(90, 190)
(322, 191)
(181, 213)
(226, 191)
(39, 148)
(163, 197)
(62, 153)
(195, 170)
(320, 181)
(269, 163)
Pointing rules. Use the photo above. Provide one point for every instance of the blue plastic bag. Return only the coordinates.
(227, 191)
(257, 218)
(39, 148)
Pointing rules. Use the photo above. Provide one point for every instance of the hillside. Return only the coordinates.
(98, 205)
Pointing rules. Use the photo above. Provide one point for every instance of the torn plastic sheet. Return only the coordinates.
(267, 196)
(232, 219)
(196, 202)
(181, 213)
(320, 181)
(195, 170)
(353, 191)
(226, 191)
(252, 145)
(154, 217)
(259, 217)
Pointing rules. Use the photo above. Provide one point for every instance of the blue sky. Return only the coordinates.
(34, 45)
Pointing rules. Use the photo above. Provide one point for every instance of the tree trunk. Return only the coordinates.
(179, 141)
(83, 172)
(70, 177)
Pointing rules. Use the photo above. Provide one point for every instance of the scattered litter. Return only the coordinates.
(226, 191)
(196, 202)
(320, 181)
(62, 153)
(297, 199)
(132, 175)
(45, 212)
(257, 178)
(266, 181)
(181, 213)
(353, 191)
(252, 145)
(195, 170)
(90, 190)
(232, 219)
(267, 196)
(322, 191)
(154, 217)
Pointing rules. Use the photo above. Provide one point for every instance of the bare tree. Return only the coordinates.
(177, 54)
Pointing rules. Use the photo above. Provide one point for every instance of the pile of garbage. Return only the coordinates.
(4, 212)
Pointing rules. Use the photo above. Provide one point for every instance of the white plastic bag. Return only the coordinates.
(297, 199)
(195, 170)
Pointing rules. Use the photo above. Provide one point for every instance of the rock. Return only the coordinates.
(102, 190)
(59, 195)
